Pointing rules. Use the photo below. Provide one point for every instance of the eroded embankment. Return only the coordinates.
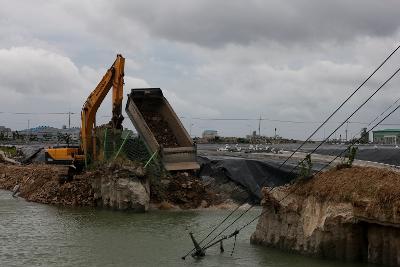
(349, 214)
(117, 186)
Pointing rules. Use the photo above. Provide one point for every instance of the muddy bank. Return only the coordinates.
(116, 186)
(349, 214)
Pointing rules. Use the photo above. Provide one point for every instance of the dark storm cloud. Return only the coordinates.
(217, 22)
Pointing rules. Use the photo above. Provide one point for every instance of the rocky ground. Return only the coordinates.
(350, 214)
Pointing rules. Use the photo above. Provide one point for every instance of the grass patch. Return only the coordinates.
(10, 151)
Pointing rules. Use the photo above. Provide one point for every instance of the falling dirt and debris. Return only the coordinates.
(186, 191)
(160, 128)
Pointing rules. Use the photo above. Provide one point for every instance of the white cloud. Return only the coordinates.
(292, 60)
(41, 81)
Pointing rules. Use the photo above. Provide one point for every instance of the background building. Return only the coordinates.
(387, 136)
(5, 133)
(47, 133)
(210, 134)
(364, 136)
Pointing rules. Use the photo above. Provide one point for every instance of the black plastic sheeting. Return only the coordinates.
(251, 174)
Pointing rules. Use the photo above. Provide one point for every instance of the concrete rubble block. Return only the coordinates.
(122, 193)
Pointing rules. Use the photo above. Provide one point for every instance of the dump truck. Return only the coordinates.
(161, 130)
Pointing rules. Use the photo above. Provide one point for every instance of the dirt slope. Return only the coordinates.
(39, 183)
(379, 187)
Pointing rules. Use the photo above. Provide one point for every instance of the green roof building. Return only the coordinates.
(387, 136)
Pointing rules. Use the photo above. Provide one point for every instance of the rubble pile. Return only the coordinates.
(40, 183)
(121, 186)
(186, 191)
(160, 128)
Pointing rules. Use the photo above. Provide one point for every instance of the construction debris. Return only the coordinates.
(186, 191)
(118, 186)
(40, 183)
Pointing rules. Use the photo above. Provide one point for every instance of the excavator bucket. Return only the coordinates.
(161, 130)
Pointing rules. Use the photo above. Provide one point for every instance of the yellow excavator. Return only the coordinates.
(80, 156)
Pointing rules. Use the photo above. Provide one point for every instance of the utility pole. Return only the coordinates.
(190, 126)
(28, 132)
(190, 129)
(259, 126)
(69, 120)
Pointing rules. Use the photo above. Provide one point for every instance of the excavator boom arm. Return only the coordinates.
(114, 77)
(118, 83)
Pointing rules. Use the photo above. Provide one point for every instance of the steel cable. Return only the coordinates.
(354, 92)
(341, 105)
(358, 108)
(296, 188)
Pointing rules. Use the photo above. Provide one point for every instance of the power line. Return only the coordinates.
(198, 118)
(342, 104)
(351, 115)
(267, 119)
(37, 113)
(376, 91)
(296, 188)
(315, 149)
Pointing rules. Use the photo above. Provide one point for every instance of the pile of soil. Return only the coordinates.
(160, 128)
(40, 183)
(380, 187)
(186, 191)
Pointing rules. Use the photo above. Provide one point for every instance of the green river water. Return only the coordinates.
(33, 234)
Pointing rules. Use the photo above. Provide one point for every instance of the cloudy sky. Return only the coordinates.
(287, 61)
